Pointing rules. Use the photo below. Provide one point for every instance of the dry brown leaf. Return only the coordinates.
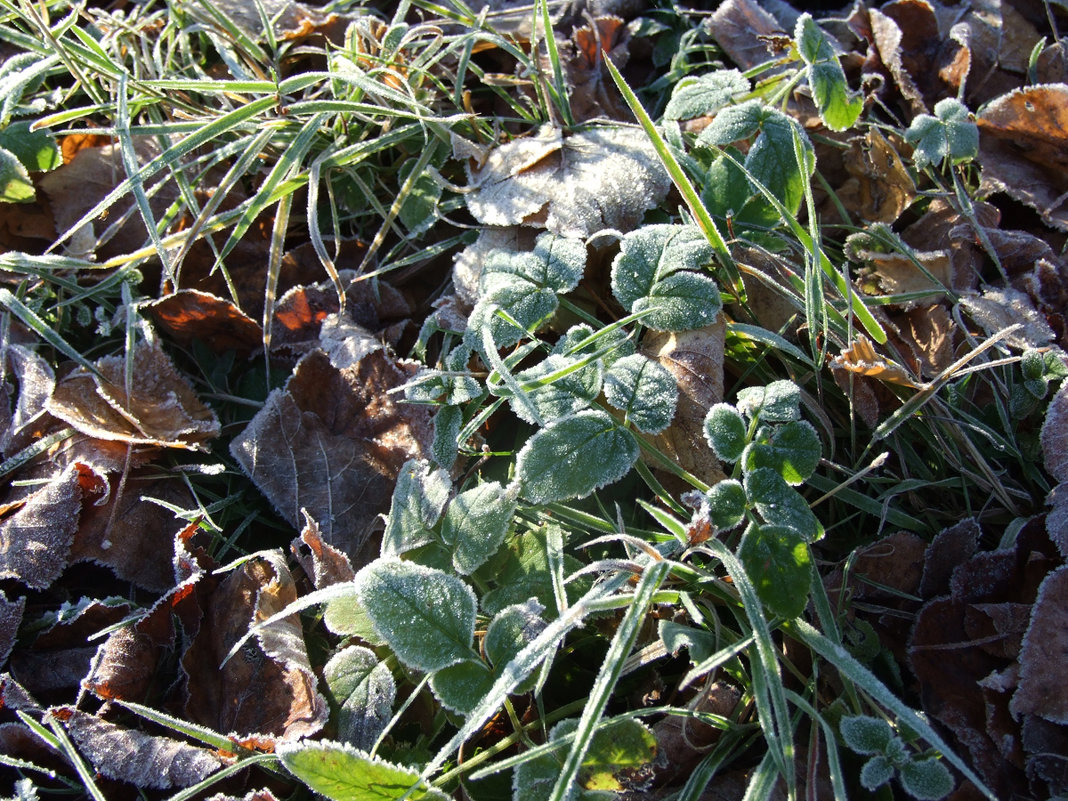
(1043, 690)
(333, 441)
(682, 741)
(161, 411)
(10, 618)
(268, 687)
(1054, 436)
(862, 359)
(929, 331)
(744, 31)
(35, 541)
(950, 547)
(190, 314)
(135, 757)
(1046, 746)
(36, 381)
(883, 187)
(573, 186)
(1023, 147)
(591, 91)
(323, 564)
(1057, 518)
(695, 359)
(997, 309)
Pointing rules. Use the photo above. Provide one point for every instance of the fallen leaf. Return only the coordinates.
(929, 332)
(137, 758)
(162, 410)
(1042, 690)
(743, 30)
(1054, 436)
(862, 359)
(950, 547)
(883, 187)
(332, 441)
(996, 309)
(1046, 745)
(36, 380)
(591, 92)
(35, 541)
(682, 741)
(1057, 518)
(695, 359)
(467, 265)
(10, 618)
(268, 687)
(1023, 147)
(189, 314)
(324, 564)
(572, 185)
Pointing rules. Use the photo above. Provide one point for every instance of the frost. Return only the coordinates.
(705, 94)
(644, 391)
(726, 504)
(364, 689)
(951, 133)
(615, 343)
(655, 272)
(792, 449)
(572, 185)
(565, 395)
(778, 402)
(418, 498)
(725, 431)
(426, 616)
(573, 456)
(475, 525)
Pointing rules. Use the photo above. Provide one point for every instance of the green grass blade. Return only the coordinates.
(30, 319)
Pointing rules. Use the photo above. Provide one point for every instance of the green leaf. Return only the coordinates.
(865, 734)
(778, 564)
(926, 779)
(792, 449)
(838, 107)
(426, 616)
(655, 272)
(364, 689)
(644, 391)
(37, 150)
(573, 456)
(528, 306)
(476, 523)
(344, 773)
(555, 263)
(704, 94)
(510, 631)
(555, 387)
(418, 211)
(460, 687)
(700, 644)
(951, 133)
(615, 341)
(522, 571)
(418, 498)
(725, 431)
(346, 617)
(727, 192)
(448, 422)
(780, 504)
(770, 159)
(777, 402)
(15, 183)
(726, 504)
(876, 772)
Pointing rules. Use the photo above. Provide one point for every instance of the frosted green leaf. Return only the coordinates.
(791, 449)
(556, 263)
(460, 687)
(418, 498)
(453, 386)
(926, 779)
(555, 387)
(15, 183)
(778, 563)
(838, 107)
(475, 524)
(725, 431)
(573, 456)
(726, 504)
(777, 402)
(419, 209)
(700, 643)
(705, 94)
(37, 150)
(865, 734)
(426, 616)
(655, 270)
(876, 772)
(346, 617)
(780, 504)
(951, 133)
(528, 306)
(614, 343)
(364, 690)
(523, 571)
(727, 191)
(447, 424)
(343, 773)
(770, 159)
(644, 391)
(510, 631)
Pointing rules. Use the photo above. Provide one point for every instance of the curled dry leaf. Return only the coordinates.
(137, 758)
(35, 541)
(695, 359)
(161, 410)
(591, 91)
(572, 185)
(268, 686)
(323, 563)
(1023, 147)
(333, 440)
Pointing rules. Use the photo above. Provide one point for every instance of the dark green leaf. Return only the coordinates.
(725, 431)
(475, 525)
(780, 504)
(951, 133)
(460, 687)
(726, 504)
(778, 563)
(418, 498)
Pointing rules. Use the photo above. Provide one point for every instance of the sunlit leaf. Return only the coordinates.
(418, 498)
(792, 449)
(778, 563)
(726, 504)
(343, 773)
(555, 387)
(780, 504)
(461, 686)
(704, 94)
(951, 133)
(510, 631)
(725, 430)
(838, 107)
(475, 524)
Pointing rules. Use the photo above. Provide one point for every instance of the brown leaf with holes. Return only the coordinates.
(162, 410)
(1023, 148)
(138, 758)
(268, 686)
(695, 359)
(333, 440)
(35, 540)
(1043, 690)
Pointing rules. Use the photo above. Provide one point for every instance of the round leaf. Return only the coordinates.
(510, 631)
(778, 563)
(926, 779)
(555, 387)
(876, 772)
(726, 504)
(705, 94)
(725, 431)
(865, 734)
(426, 616)
(792, 450)
(778, 402)
(460, 687)
(644, 391)
(573, 456)
(780, 504)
